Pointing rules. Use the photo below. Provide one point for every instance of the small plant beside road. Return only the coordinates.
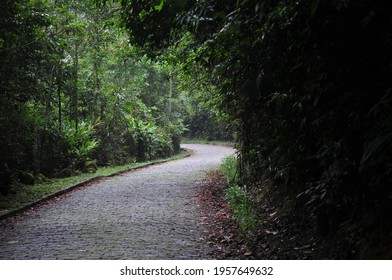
(237, 196)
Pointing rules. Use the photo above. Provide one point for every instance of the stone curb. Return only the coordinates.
(27, 206)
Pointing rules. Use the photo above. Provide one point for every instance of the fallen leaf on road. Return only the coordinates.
(302, 247)
(273, 214)
(271, 232)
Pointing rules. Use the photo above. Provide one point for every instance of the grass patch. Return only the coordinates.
(229, 170)
(241, 205)
(22, 194)
(238, 197)
(206, 141)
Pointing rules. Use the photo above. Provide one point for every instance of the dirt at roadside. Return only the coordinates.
(222, 231)
(279, 238)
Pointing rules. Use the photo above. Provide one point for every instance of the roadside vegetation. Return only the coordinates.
(238, 197)
(22, 194)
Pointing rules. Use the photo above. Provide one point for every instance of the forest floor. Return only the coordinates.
(278, 237)
(150, 213)
(223, 232)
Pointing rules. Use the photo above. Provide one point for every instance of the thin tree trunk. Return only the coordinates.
(169, 104)
(74, 100)
(59, 88)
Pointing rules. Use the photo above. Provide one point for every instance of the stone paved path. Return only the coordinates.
(150, 213)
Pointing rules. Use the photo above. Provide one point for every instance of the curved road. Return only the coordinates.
(149, 213)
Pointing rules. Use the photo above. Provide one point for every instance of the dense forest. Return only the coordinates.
(304, 85)
(77, 94)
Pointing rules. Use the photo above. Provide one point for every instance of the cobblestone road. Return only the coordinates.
(150, 213)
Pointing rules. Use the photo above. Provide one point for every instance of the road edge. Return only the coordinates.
(29, 205)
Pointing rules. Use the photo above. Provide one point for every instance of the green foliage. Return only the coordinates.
(137, 15)
(229, 168)
(80, 140)
(239, 201)
(203, 123)
(150, 140)
(238, 197)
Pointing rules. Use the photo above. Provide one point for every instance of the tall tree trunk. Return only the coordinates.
(74, 94)
(96, 91)
(169, 101)
(59, 88)
(48, 98)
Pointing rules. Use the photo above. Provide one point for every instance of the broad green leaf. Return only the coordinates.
(160, 6)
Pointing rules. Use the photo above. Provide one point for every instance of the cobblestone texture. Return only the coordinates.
(150, 213)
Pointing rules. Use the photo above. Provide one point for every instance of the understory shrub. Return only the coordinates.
(238, 197)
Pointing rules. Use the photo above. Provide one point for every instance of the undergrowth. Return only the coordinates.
(238, 197)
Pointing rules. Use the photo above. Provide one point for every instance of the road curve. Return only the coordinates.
(149, 213)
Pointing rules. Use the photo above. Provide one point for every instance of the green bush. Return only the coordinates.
(229, 169)
(80, 140)
(241, 205)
